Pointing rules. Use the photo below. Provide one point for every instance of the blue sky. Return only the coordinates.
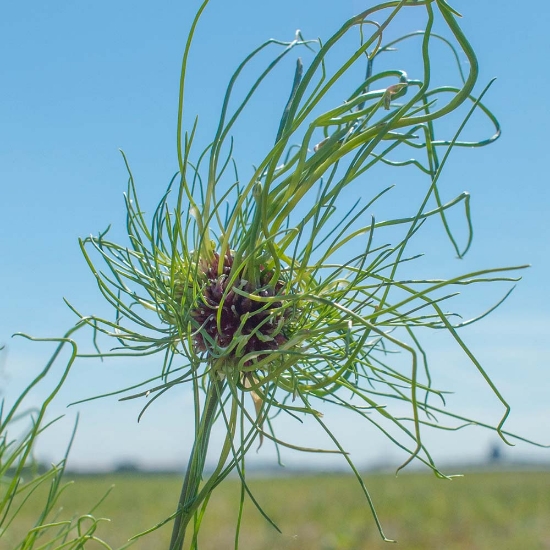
(82, 79)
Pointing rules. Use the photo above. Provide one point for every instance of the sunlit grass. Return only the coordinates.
(482, 511)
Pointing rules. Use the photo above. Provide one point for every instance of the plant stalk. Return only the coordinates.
(188, 504)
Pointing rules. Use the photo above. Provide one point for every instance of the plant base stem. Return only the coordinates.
(188, 504)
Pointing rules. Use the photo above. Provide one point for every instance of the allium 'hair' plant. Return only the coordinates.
(266, 290)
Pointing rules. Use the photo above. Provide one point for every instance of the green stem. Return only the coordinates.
(187, 502)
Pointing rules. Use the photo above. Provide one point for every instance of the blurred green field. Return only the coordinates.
(494, 510)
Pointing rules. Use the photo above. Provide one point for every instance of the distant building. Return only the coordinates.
(495, 453)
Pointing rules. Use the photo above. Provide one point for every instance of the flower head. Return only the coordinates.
(236, 317)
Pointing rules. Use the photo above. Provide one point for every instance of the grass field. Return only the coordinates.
(496, 510)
